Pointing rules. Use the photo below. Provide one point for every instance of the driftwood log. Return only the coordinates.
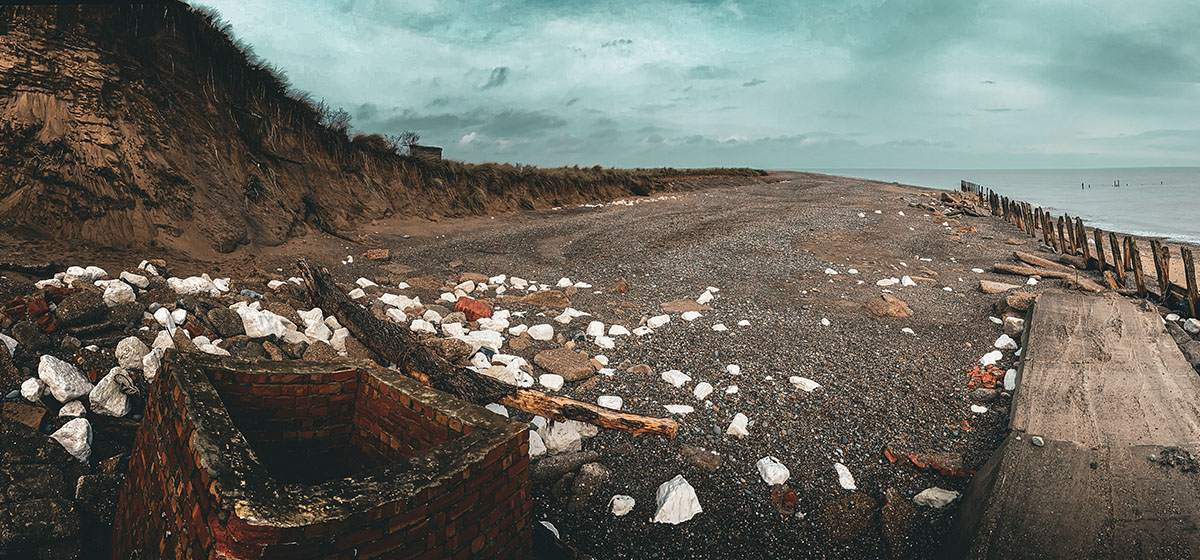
(1026, 270)
(398, 345)
(1038, 261)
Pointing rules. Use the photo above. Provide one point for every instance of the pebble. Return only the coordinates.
(738, 427)
(803, 383)
(1037, 441)
(772, 471)
(845, 479)
(621, 504)
(677, 502)
(675, 377)
(935, 497)
(541, 332)
(679, 408)
(658, 321)
(702, 390)
(611, 402)
(551, 381)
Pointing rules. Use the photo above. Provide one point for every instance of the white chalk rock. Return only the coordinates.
(551, 381)
(845, 479)
(493, 324)
(537, 447)
(1192, 326)
(704, 298)
(564, 283)
(163, 316)
(63, 380)
(733, 369)
(611, 402)
(215, 350)
(9, 342)
(830, 271)
(720, 327)
(130, 352)
(338, 340)
(772, 471)
(519, 329)
(677, 501)
(935, 497)
(116, 292)
(907, 330)
(364, 283)
(887, 282)
(595, 329)
(275, 284)
(73, 409)
(163, 341)
(541, 332)
(422, 326)
(732, 389)
(738, 426)
(658, 321)
(1005, 342)
(585, 430)
(991, 358)
(702, 390)
(357, 293)
(1010, 380)
(261, 324)
(193, 286)
(33, 389)
(617, 330)
(743, 323)
(518, 283)
(106, 397)
(675, 377)
(179, 316)
(643, 331)
(907, 281)
(605, 342)
(150, 364)
(621, 504)
(804, 384)
(679, 408)
(76, 437)
(978, 409)
(432, 316)
(400, 302)
(561, 437)
(498, 409)
(825, 322)
(690, 316)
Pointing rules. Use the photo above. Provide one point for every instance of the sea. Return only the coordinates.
(1148, 201)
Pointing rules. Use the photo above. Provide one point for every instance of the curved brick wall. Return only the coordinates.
(243, 459)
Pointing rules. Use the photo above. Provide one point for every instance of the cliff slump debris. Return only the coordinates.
(124, 125)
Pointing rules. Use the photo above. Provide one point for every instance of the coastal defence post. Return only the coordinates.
(254, 459)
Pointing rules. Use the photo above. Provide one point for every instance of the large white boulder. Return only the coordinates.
(76, 437)
(677, 502)
(106, 397)
(541, 332)
(150, 364)
(116, 292)
(537, 447)
(130, 352)
(33, 389)
(63, 380)
(193, 286)
(135, 279)
(261, 324)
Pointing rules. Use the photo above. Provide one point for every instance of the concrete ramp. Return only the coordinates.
(1105, 387)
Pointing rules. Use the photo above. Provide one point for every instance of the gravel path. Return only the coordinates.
(767, 248)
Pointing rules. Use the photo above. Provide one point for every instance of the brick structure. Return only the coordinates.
(246, 459)
(425, 152)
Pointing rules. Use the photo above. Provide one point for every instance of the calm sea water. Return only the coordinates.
(1151, 201)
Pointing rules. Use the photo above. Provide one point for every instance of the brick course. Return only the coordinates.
(240, 459)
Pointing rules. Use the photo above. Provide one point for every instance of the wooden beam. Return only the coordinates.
(397, 344)
(1099, 235)
(1118, 263)
(1135, 258)
(1189, 271)
(1081, 235)
(1038, 261)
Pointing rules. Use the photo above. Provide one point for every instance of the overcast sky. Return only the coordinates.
(802, 85)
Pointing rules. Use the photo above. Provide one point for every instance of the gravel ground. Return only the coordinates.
(766, 247)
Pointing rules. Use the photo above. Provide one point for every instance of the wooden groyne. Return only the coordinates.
(1069, 237)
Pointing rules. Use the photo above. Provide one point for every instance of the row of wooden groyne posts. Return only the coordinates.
(1068, 237)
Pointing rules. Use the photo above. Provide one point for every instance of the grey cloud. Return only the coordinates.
(516, 123)
(753, 82)
(498, 78)
(707, 72)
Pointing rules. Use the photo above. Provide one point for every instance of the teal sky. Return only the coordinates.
(814, 84)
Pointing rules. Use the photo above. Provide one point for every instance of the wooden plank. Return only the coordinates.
(1118, 263)
(1189, 272)
(1099, 235)
(1135, 259)
(1062, 242)
(1081, 235)
(1104, 386)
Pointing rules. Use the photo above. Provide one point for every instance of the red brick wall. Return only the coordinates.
(190, 494)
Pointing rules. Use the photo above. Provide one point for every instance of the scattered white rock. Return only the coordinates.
(1192, 326)
(605, 342)
(561, 437)
(76, 437)
(1172, 317)
(260, 324)
(1010, 380)
(1031, 282)
(658, 321)
(845, 479)
(977, 270)
(675, 377)
(679, 408)
(978, 409)
(537, 447)
(106, 397)
(73, 409)
(564, 283)
(887, 282)
(991, 358)
(33, 389)
(64, 381)
(720, 327)
(907, 330)
(9, 342)
(731, 389)
(611, 402)
(690, 316)
(193, 286)
(743, 323)
(702, 390)
(551, 381)
(772, 471)
(594, 329)
(738, 426)
(825, 322)
(621, 504)
(130, 351)
(422, 326)
(804, 384)
(499, 409)
(643, 331)
(541, 332)
(907, 281)
(150, 364)
(704, 298)
(617, 330)
(116, 292)
(935, 497)
(733, 369)
(1005, 342)
(677, 502)
(830, 271)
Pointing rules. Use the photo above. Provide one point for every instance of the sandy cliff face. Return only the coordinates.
(131, 125)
